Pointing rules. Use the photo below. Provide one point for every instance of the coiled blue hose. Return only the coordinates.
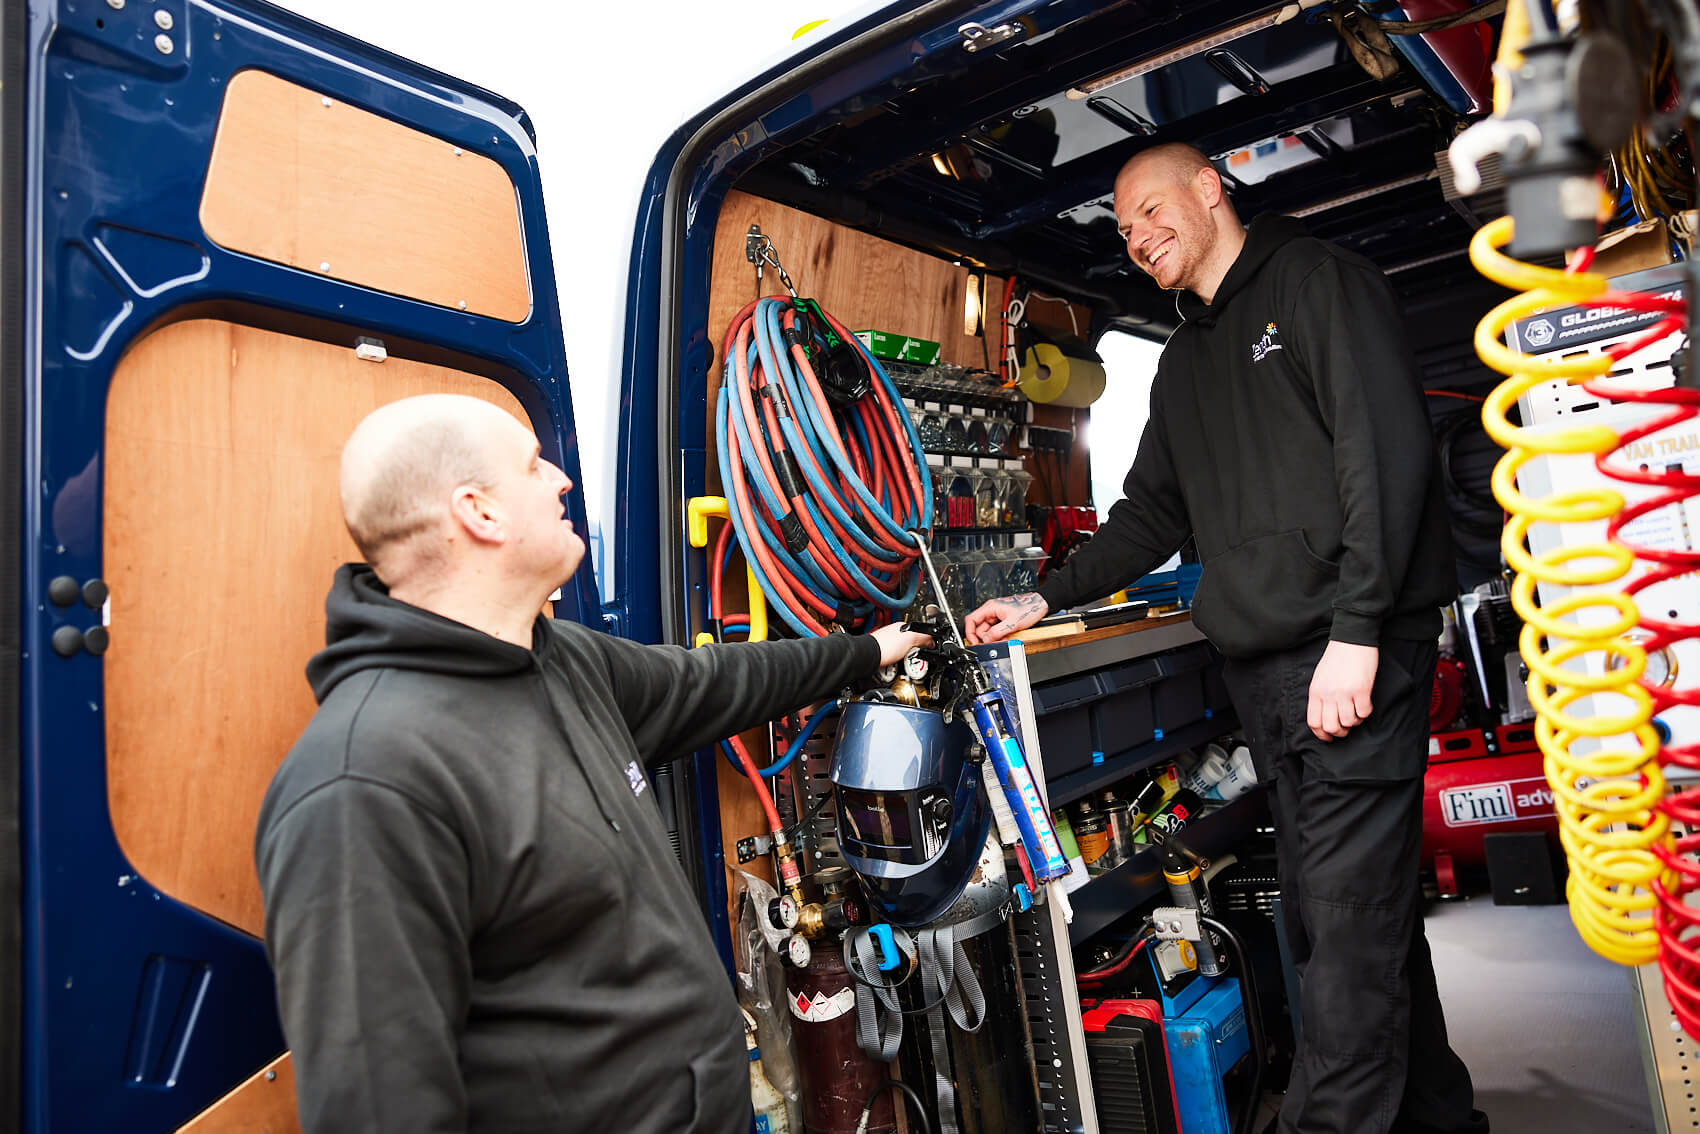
(825, 485)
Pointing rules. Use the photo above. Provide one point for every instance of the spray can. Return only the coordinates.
(1187, 889)
(1182, 808)
(1121, 828)
(1092, 836)
(833, 1073)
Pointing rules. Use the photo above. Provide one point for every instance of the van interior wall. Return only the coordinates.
(863, 281)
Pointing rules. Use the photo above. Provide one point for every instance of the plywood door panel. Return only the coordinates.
(222, 528)
(861, 280)
(306, 180)
(264, 1104)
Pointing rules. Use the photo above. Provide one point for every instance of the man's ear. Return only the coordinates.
(479, 515)
(1210, 186)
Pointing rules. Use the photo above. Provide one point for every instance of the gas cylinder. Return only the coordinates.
(835, 1076)
(997, 1091)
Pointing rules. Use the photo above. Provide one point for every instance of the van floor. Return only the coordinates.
(1547, 1027)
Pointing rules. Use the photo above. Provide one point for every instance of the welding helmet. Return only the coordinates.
(911, 815)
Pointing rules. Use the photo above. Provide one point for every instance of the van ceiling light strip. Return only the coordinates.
(1198, 46)
(1362, 194)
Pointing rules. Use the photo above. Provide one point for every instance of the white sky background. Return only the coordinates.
(605, 84)
(1118, 418)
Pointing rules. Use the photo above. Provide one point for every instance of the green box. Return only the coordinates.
(899, 348)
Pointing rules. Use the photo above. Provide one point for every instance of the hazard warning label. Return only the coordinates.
(821, 1007)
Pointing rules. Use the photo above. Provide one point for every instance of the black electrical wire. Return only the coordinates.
(1254, 1021)
(1119, 960)
(908, 1092)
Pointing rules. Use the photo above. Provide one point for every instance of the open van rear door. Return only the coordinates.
(239, 232)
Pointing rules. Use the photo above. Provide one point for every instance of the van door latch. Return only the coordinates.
(978, 37)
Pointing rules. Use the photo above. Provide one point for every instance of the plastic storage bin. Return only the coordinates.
(1064, 724)
(1178, 698)
(1126, 717)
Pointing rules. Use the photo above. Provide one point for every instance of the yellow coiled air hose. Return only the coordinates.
(1606, 799)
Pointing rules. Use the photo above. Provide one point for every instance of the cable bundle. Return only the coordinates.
(825, 484)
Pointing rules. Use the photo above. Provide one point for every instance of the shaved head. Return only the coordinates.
(1179, 226)
(402, 464)
(1175, 160)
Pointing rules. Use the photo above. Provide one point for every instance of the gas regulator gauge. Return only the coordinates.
(915, 667)
(797, 951)
(782, 911)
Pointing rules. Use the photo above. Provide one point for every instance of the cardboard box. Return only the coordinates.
(1633, 249)
(899, 348)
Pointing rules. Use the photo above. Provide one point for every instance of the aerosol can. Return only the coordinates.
(1182, 870)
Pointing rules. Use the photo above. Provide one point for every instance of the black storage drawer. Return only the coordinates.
(1216, 689)
(1064, 711)
(1126, 705)
(1178, 701)
(1065, 741)
(1185, 659)
(1132, 674)
(1123, 720)
(1067, 692)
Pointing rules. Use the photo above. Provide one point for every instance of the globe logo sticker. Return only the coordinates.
(1539, 333)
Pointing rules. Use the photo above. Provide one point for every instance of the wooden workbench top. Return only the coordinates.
(1082, 637)
(1064, 654)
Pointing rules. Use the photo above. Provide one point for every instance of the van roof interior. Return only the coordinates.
(990, 160)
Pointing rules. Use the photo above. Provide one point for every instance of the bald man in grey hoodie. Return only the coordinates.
(472, 908)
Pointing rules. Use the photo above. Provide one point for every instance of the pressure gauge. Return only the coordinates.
(1661, 663)
(782, 912)
(915, 667)
(797, 952)
(1661, 668)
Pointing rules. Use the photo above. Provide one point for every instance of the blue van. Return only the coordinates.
(229, 232)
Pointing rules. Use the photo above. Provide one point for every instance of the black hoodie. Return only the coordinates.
(472, 907)
(1288, 434)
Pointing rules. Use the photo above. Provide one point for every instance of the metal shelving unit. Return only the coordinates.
(1067, 789)
(1136, 881)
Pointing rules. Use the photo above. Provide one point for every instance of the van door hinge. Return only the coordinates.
(978, 37)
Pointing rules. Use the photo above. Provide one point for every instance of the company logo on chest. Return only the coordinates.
(1267, 345)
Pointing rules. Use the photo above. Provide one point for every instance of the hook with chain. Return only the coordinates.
(758, 250)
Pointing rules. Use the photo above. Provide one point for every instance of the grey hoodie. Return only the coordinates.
(472, 908)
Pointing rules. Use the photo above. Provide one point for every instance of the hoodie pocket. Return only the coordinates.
(1269, 593)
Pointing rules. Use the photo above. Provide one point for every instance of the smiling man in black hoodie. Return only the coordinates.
(472, 907)
(1288, 437)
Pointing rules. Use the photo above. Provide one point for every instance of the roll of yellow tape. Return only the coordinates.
(1050, 376)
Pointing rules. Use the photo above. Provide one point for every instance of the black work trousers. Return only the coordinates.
(1373, 1057)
